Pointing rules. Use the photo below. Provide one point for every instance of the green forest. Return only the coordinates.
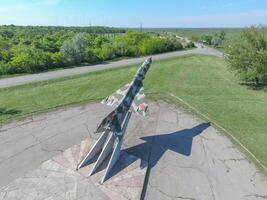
(32, 49)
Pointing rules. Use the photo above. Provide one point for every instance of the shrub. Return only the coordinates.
(29, 61)
(195, 38)
(222, 35)
(151, 46)
(134, 38)
(190, 45)
(121, 49)
(206, 39)
(58, 59)
(129, 43)
(216, 41)
(159, 45)
(173, 44)
(3, 68)
(92, 55)
(107, 52)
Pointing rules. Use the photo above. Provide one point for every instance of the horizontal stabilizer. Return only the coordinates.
(139, 105)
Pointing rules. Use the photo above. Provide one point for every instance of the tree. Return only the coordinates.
(106, 52)
(38, 48)
(159, 45)
(151, 46)
(99, 41)
(74, 50)
(134, 38)
(92, 55)
(120, 49)
(195, 38)
(172, 44)
(248, 57)
(190, 45)
(7, 33)
(29, 60)
(58, 59)
(216, 41)
(222, 35)
(5, 53)
(206, 39)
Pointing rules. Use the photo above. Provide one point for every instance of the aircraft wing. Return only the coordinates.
(139, 105)
(115, 99)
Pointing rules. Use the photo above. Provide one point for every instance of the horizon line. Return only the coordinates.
(130, 27)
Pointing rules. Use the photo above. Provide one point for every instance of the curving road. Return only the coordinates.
(20, 80)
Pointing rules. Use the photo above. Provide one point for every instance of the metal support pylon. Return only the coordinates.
(107, 143)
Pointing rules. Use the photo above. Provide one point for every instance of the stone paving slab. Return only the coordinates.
(58, 179)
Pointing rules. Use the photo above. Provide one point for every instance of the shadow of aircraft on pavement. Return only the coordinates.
(155, 146)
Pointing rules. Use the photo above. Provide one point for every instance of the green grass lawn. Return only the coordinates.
(204, 82)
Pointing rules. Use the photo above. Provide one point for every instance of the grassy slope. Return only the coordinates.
(203, 82)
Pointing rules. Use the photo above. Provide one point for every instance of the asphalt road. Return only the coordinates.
(188, 159)
(25, 79)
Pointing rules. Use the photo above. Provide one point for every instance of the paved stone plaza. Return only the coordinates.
(187, 158)
(57, 179)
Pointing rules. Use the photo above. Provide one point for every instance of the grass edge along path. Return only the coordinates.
(173, 99)
(232, 137)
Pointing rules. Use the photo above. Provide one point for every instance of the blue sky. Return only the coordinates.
(131, 13)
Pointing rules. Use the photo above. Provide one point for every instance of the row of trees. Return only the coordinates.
(83, 48)
(36, 49)
(248, 56)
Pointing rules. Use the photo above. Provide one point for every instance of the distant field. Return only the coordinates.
(232, 34)
(189, 32)
(204, 82)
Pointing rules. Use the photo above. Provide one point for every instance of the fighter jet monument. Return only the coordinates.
(130, 98)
